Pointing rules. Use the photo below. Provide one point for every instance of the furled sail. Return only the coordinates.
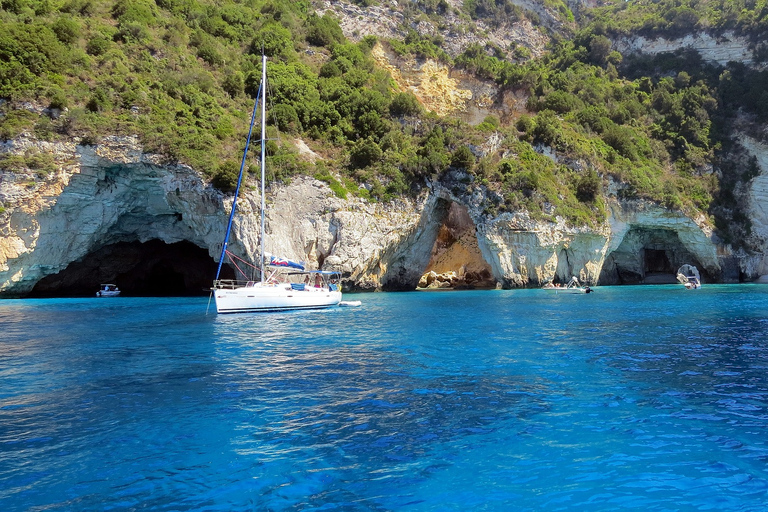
(276, 261)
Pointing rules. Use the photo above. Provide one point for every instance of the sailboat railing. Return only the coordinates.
(314, 279)
(229, 284)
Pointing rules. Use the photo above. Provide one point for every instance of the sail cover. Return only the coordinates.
(276, 261)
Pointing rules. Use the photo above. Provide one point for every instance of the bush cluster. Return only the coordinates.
(183, 74)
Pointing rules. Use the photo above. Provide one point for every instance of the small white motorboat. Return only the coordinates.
(689, 276)
(573, 286)
(108, 290)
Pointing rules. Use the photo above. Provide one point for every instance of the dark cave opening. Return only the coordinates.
(152, 268)
(647, 256)
(657, 268)
(656, 261)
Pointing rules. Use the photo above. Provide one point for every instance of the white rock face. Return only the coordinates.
(757, 198)
(114, 193)
(385, 20)
(522, 252)
(101, 195)
(365, 241)
(640, 225)
(721, 50)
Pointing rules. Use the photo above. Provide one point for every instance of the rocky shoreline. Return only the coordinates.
(114, 193)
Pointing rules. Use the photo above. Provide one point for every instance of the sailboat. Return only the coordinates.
(282, 284)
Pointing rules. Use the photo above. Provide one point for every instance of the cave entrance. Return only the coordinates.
(152, 268)
(456, 261)
(656, 261)
(656, 267)
(647, 256)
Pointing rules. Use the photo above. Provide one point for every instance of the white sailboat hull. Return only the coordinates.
(266, 297)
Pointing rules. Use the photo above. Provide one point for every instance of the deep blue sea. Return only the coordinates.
(649, 398)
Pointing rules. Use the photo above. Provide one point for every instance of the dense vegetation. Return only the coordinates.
(182, 74)
(672, 18)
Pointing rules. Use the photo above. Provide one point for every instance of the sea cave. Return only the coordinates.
(648, 256)
(455, 260)
(152, 268)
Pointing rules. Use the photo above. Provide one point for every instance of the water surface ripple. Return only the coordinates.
(630, 398)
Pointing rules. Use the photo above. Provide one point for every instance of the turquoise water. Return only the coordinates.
(629, 398)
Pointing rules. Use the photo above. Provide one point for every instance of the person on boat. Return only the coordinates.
(318, 281)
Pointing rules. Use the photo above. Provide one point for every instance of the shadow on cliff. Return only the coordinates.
(150, 269)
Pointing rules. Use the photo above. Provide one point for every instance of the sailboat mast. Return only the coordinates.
(263, 151)
(239, 181)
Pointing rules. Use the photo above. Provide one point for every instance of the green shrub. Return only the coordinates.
(84, 8)
(42, 163)
(405, 104)
(490, 124)
(323, 175)
(273, 40)
(621, 139)
(226, 175)
(365, 152)
(463, 158)
(58, 98)
(66, 29)
(286, 118)
(141, 12)
(588, 187)
(370, 124)
(547, 128)
(99, 101)
(233, 83)
(28, 52)
(323, 31)
(132, 31)
(562, 102)
(15, 122)
(210, 54)
(98, 45)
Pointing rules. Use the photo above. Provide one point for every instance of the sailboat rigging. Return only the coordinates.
(283, 284)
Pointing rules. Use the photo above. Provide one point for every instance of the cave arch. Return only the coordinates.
(456, 261)
(152, 268)
(648, 256)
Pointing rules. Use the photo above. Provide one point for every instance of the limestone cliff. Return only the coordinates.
(757, 207)
(719, 49)
(99, 195)
(109, 194)
(113, 193)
